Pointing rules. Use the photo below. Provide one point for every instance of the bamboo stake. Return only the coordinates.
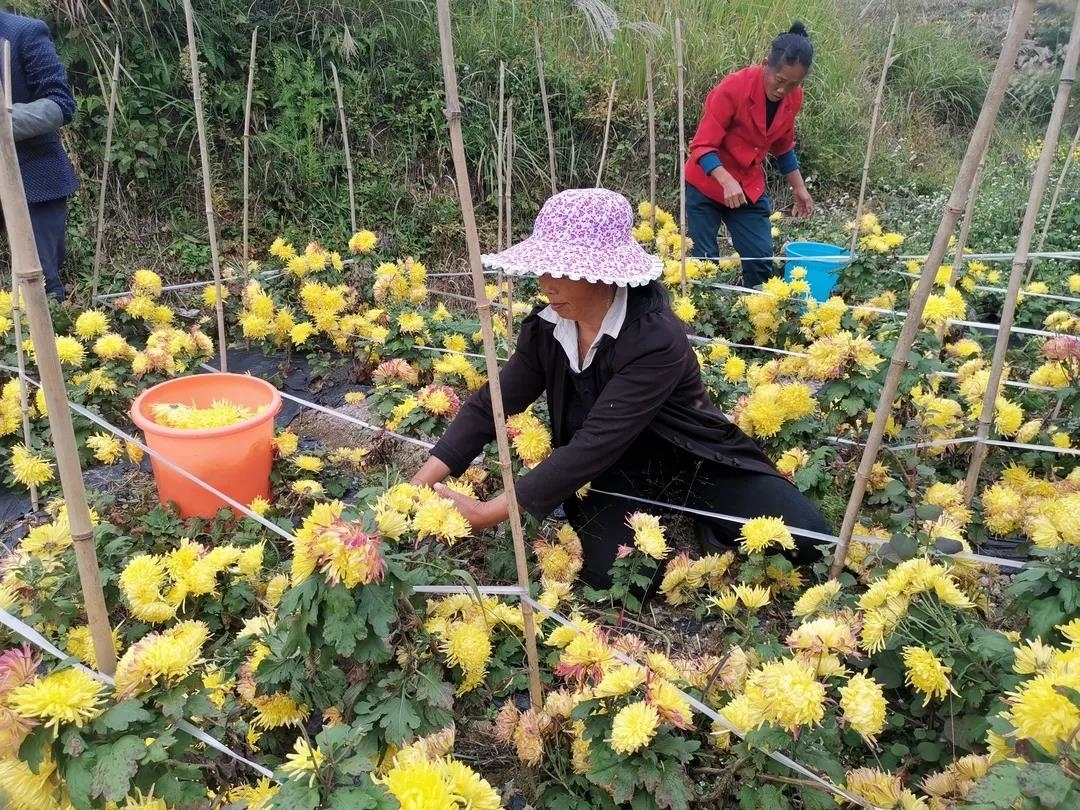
(651, 104)
(875, 116)
(24, 386)
(204, 155)
(508, 178)
(483, 307)
(1023, 245)
(26, 269)
(607, 131)
(509, 314)
(547, 112)
(500, 144)
(680, 81)
(345, 146)
(1021, 16)
(247, 142)
(110, 121)
(1057, 192)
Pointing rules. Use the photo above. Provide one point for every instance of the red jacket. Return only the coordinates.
(733, 126)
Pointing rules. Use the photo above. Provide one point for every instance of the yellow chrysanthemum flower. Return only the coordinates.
(30, 469)
(24, 789)
(880, 789)
(752, 597)
(440, 518)
(683, 307)
(1041, 712)
(91, 323)
(166, 658)
(760, 533)
(734, 369)
(634, 727)
(363, 242)
(146, 282)
(620, 680)
(112, 346)
(417, 783)
(308, 463)
(304, 762)
(813, 599)
(786, 693)
(71, 696)
(863, 704)
(468, 645)
(106, 448)
(926, 673)
(278, 711)
(648, 534)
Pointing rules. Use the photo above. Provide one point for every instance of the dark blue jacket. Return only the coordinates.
(36, 73)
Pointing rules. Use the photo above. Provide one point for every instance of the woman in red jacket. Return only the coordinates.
(749, 115)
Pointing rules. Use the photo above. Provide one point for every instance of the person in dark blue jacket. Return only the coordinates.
(42, 103)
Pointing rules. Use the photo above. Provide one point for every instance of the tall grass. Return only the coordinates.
(387, 55)
(583, 55)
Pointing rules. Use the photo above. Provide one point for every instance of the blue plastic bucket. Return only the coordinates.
(822, 262)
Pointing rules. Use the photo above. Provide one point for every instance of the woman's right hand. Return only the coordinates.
(432, 472)
(733, 193)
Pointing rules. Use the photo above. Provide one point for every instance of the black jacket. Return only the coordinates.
(647, 379)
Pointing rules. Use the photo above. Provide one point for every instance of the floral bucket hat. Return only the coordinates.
(582, 234)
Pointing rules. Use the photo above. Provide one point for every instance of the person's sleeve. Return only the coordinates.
(787, 162)
(625, 408)
(45, 73)
(522, 382)
(716, 118)
(35, 118)
(709, 161)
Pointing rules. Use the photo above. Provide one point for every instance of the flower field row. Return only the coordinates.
(914, 680)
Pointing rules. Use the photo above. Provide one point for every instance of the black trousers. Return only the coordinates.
(49, 222)
(661, 472)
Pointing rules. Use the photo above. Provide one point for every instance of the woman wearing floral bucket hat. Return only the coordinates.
(629, 411)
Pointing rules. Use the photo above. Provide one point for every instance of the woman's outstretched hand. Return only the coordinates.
(803, 205)
(480, 514)
(734, 196)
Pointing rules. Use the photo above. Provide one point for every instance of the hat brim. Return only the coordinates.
(623, 266)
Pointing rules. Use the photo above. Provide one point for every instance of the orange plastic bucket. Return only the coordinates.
(234, 459)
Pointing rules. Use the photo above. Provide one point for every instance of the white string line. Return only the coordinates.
(339, 415)
(896, 313)
(986, 288)
(1046, 448)
(261, 276)
(1010, 383)
(460, 273)
(28, 633)
(849, 257)
(483, 590)
(1001, 562)
(494, 304)
(846, 258)
(712, 714)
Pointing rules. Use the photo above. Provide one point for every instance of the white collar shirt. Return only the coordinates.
(566, 332)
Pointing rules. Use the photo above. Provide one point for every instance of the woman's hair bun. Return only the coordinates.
(798, 27)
